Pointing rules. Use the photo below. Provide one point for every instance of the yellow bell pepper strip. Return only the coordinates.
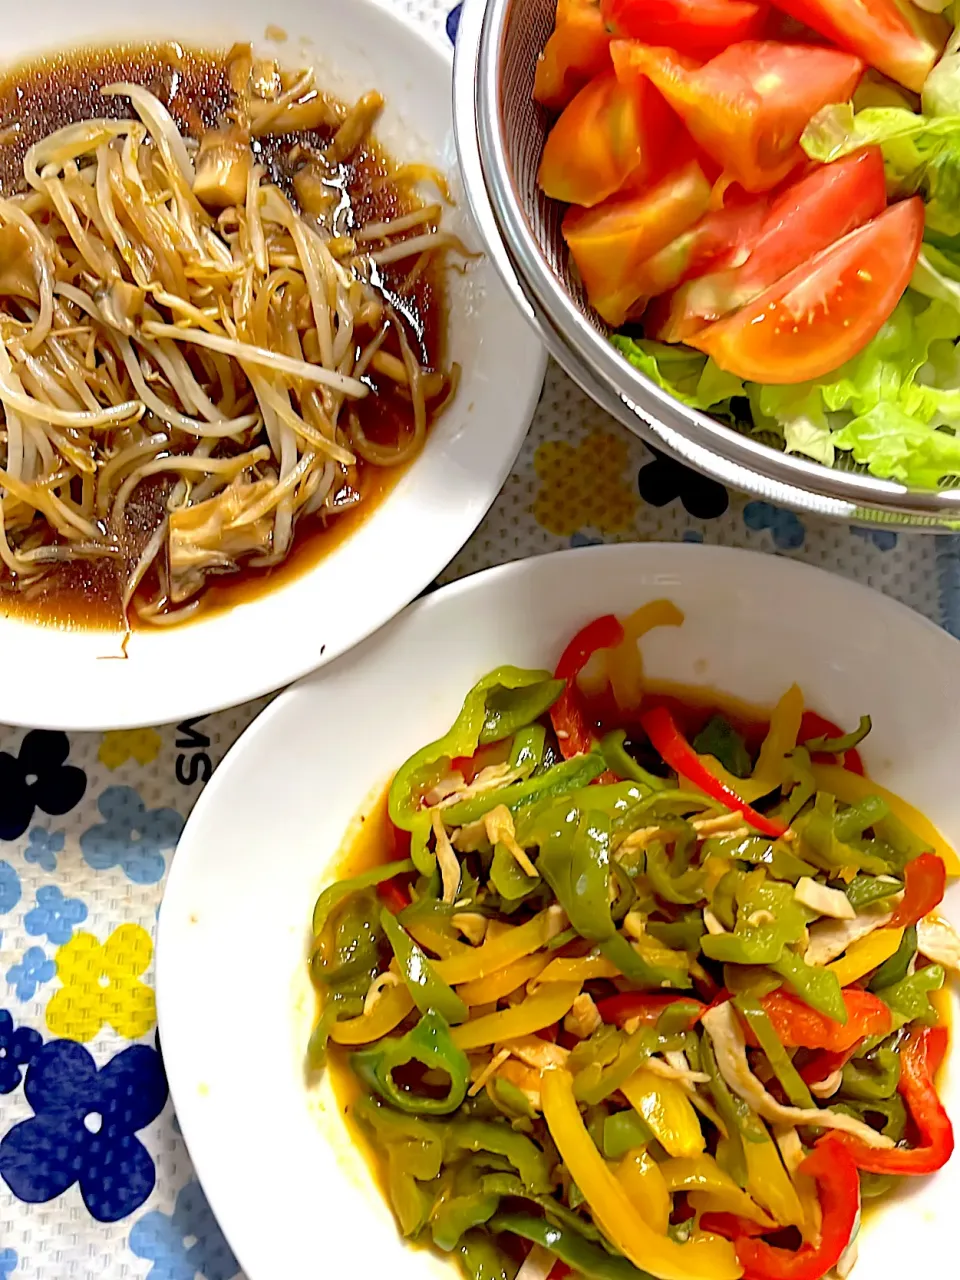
(625, 662)
(770, 1185)
(639, 1175)
(428, 1043)
(513, 944)
(549, 1005)
(710, 1188)
(612, 1208)
(851, 789)
(665, 1106)
(428, 990)
(586, 969)
(497, 985)
(866, 954)
(896, 968)
(773, 767)
(389, 1011)
(430, 937)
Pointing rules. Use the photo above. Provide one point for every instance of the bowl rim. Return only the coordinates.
(258, 645)
(586, 355)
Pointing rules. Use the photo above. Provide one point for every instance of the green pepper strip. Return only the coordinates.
(336, 893)
(595, 1083)
(468, 1204)
(909, 999)
(761, 943)
(620, 762)
(462, 739)
(719, 739)
(762, 852)
(837, 746)
(853, 821)
(819, 988)
(528, 747)
(668, 877)
(429, 1043)
(892, 1110)
(682, 934)
(863, 890)
(742, 1124)
(557, 781)
(508, 879)
(777, 1056)
(508, 710)
(897, 967)
(873, 1076)
(429, 991)
(820, 842)
(590, 1260)
(351, 1007)
(496, 1136)
(623, 1132)
(480, 1259)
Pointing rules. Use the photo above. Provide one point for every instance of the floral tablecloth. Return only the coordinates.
(95, 1179)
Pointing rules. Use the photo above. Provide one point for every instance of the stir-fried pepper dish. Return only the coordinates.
(639, 990)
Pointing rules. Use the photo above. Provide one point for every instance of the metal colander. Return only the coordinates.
(500, 136)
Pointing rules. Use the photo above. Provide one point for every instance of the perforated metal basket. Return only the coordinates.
(500, 137)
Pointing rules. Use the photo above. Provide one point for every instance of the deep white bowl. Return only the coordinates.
(61, 678)
(235, 1004)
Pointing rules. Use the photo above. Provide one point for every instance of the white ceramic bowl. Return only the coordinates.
(65, 679)
(235, 1003)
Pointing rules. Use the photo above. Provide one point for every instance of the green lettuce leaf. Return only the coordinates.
(691, 377)
(921, 153)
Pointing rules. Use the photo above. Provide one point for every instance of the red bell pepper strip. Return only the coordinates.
(730, 1226)
(648, 1008)
(799, 1026)
(661, 729)
(839, 1187)
(560, 1271)
(393, 894)
(925, 883)
(813, 725)
(825, 1062)
(574, 732)
(920, 1056)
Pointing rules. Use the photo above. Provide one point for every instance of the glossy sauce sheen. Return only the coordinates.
(40, 96)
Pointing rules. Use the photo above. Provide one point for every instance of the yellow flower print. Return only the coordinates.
(119, 745)
(101, 984)
(583, 486)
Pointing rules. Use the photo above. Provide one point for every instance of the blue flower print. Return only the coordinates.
(453, 22)
(162, 1239)
(9, 887)
(8, 1262)
(18, 1048)
(882, 539)
(132, 837)
(54, 916)
(33, 970)
(84, 1129)
(584, 540)
(788, 532)
(692, 535)
(43, 847)
(38, 777)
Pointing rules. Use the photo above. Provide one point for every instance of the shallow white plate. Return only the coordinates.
(265, 643)
(234, 1000)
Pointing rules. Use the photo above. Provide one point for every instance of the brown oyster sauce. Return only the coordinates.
(40, 96)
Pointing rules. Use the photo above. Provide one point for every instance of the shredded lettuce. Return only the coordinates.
(894, 408)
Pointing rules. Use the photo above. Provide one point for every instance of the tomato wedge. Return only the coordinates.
(825, 312)
(809, 216)
(701, 27)
(578, 50)
(611, 241)
(898, 40)
(610, 132)
(748, 106)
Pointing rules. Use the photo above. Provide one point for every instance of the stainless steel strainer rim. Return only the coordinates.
(598, 369)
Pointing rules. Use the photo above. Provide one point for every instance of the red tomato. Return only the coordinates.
(901, 44)
(825, 312)
(748, 106)
(611, 241)
(610, 132)
(689, 26)
(578, 50)
(720, 239)
(809, 216)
